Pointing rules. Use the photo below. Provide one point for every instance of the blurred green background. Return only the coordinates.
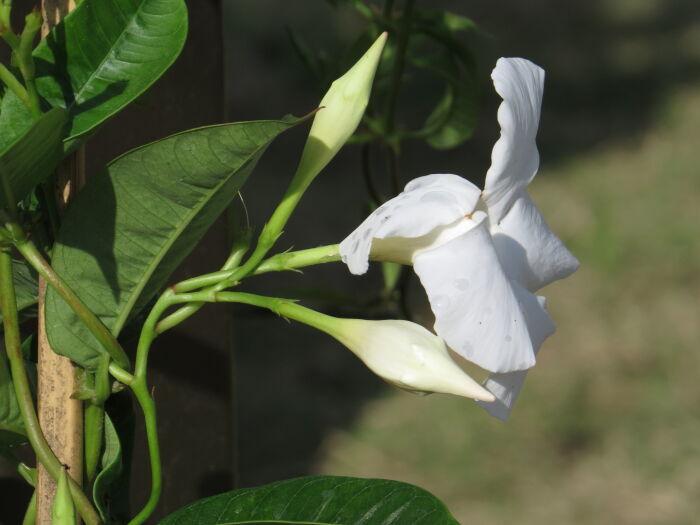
(606, 429)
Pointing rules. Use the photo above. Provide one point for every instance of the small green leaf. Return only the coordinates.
(105, 54)
(111, 469)
(34, 154)
(133, 223)
(319, 500)
(26, 290)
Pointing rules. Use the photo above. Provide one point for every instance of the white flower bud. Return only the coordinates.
(408, 356)
(341, 110)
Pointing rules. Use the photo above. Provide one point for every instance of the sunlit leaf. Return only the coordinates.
(319, 500)
(134, 222)
(105, 53)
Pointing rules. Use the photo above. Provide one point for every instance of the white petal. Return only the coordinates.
(529, 250)
(506, 387)
(514, 159)
(426, 204)
(477, 311)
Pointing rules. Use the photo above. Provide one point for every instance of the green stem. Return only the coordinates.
(139, 386)
(178, 316)
(218, 281)
(30, 514)
(99, 330)
(14, 85)
(299, 259)
(95, 416)
(26, 60)
(140, 390)
(45, 455)
(282, 307)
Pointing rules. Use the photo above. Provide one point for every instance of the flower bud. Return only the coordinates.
(408, 356)
(340, 112)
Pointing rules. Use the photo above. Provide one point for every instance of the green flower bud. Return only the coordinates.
(340, 112)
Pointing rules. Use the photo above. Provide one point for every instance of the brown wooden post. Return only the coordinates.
(61, 417)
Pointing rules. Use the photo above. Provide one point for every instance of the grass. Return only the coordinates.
(606, 429)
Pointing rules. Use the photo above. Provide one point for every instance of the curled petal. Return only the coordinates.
(529, 250)
(514, 159)
(477, 309)
(506, 387)
(413, 218)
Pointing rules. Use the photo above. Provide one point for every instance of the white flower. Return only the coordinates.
(408, 356)
(480, 255)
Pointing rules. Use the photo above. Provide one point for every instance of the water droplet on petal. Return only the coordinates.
(441, 302)
(467, 347)
(508, 339)
(461, 284)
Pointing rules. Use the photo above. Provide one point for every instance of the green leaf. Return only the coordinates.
(26, 290)
(111, 469)
(15, 119)
(105, 54)
(319, 500)
(34, 155)
(133, 223)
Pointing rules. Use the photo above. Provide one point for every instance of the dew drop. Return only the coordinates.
(461, 284)
(508, 339)
(441, 302)
(467, 347)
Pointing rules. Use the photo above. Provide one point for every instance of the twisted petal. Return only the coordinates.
(514, 159)
(410, 221)
(506, 387)
(479, 312)
(529, 250)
